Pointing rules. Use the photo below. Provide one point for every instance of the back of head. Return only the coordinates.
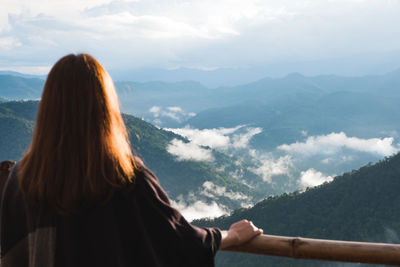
(80, 152)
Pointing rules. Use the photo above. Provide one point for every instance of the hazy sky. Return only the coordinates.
(203, 34)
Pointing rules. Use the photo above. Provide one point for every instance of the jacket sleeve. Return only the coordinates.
(194, 246)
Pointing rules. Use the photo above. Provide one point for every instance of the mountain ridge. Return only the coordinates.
(189, 180)
(361, 205)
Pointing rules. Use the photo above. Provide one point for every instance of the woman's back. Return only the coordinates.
(137, 227)
(78, 197)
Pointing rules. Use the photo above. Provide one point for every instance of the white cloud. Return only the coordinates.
(175, 113)
(219, 138)
(189, 151)
(172, 115)
(199, 209)
(155, 110)
(338, 160)
(332, 143)
(270, 167)
(242, 140)
(8, 43)
(175, 109)
(198, 33)
(192, 207)
(213, 138)
(311, 178)
(212, 190)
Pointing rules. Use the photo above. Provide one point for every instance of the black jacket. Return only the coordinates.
(135, 228)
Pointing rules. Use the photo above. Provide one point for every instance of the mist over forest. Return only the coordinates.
(270, 136)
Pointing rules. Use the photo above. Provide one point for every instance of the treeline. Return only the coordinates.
(362, 205)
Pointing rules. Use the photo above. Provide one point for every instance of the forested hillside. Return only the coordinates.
(362, 205)
(186, 181)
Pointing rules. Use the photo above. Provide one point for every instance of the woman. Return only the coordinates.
(78, 197)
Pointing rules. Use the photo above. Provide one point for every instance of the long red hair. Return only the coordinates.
(80, 152)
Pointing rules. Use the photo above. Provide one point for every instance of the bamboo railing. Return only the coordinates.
(319, 249)
(301, 248)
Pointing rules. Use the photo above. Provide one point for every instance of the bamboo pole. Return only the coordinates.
(319, 249)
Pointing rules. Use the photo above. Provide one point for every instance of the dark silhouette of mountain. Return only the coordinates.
(362, 205)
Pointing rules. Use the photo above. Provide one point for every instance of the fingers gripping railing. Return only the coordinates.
(319, 249)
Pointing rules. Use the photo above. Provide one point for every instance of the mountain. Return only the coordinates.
(138, 98)
(357, 65)
(293, 110)
(17, 88)
(216, 107)
(16, 127)
(186, 181)
(362, 205)
(360, 114)
(23, 75)
(211, 78)
(280, 94)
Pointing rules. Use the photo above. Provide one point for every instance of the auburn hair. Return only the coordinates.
(80, 151)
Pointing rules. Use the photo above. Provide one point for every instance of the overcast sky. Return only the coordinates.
(204, 34)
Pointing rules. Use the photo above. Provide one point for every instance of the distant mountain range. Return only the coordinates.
(23, 75)
(269, 95)
(295, 109)
(356, 65)
(15, 87)
(137, 98)
(362, 205)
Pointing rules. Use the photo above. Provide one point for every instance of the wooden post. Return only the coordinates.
(319, 249)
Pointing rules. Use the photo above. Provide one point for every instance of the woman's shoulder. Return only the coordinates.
(146, 182)
(143, 174)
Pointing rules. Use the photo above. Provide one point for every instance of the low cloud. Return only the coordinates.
(269, 167)
(175, 109)
(155, 110)
(332, 143)
(242, 140)
(205, 202)
(199, 209)
(311, 178)
(212, 190)
(219, 138)
(338, 160)
(189, 151)
(174, 113)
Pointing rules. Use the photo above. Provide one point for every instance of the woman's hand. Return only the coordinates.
(239, 233)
